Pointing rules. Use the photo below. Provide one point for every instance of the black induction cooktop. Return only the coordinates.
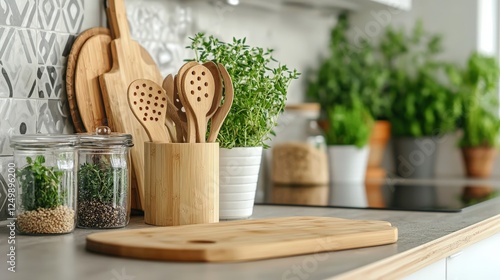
(390, 195)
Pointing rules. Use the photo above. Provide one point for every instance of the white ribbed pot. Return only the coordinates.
(347, 163)
(238, 176)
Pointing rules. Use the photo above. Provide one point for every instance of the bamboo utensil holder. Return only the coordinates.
(181, 183)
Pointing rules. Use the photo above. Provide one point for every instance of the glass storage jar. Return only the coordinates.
(299, 149)
(104, 179)
(45, 183)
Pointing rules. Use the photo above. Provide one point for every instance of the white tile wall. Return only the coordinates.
(299, 36)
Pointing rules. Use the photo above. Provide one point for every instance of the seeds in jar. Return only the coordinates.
(95, 214)
(42, 221)
(44, 199)
(102, 194)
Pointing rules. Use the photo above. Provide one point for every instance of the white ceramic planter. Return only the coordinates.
(347, 163)
(238, 176)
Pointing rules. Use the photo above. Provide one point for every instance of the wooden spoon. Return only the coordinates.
(177, 102)
(191, 119)
(218, 87)
(222, 112)
(148, 103)
(198, 88)
(169, 87)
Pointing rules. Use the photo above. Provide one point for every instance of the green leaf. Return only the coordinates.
(260, 88)
(41, 185)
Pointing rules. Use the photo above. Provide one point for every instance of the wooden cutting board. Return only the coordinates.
(71, 69)
(94, 60)
(128, 65)
(243, 240)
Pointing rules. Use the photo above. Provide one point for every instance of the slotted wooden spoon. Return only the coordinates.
(221, 114)
(148, 101)
(199, 91)
(190, 118)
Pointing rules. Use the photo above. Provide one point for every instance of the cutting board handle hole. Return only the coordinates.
(202, 241)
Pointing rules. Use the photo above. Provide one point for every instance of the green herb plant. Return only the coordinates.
(477, 85)
(40, 185)
(350, 69)
(349, 125)
(424, 103)
(97, 181)
(260, 88)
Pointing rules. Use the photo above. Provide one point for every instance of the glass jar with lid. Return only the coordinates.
(103, 179)
(299, 149)
(45, 183)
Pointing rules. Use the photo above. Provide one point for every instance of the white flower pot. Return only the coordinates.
(238, 176)
(347, 163)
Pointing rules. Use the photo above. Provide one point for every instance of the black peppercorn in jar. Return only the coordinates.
(45, 183)
(103, 179)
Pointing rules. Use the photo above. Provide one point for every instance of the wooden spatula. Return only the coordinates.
(198, 89)
(221, 114)
(128, 66)
(148, 103)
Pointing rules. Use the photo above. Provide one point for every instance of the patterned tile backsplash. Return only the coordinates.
(162, 27)
(4, 161)
(35, 39)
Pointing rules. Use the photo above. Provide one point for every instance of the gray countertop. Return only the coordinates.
(65, 257)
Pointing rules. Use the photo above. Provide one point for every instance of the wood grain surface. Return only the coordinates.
(128, 65)
(148, 102)
(244, 240)
(71, 69)
(182, 183)
(94, 60)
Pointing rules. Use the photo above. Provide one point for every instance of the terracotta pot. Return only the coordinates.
(323, 124)
(381, 134)
(478, 161)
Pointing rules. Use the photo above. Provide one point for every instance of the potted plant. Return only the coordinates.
(354, 69)
(424, 105)
(477, 85)
(260, 89)
(347, 139)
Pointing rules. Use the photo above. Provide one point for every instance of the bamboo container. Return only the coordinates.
(181, 183)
